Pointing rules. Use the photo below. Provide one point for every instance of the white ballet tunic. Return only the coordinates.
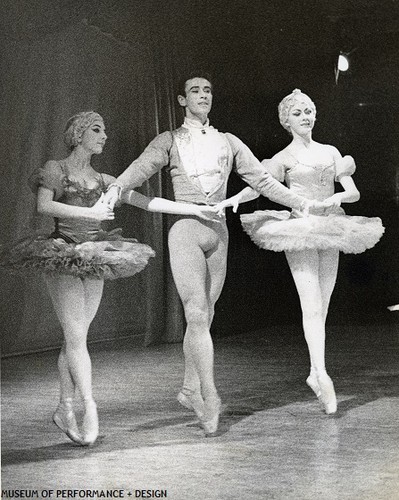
(281, 230)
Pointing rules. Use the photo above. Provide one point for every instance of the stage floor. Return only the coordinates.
(275, 442)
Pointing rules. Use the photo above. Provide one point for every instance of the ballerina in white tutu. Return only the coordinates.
(311, 241)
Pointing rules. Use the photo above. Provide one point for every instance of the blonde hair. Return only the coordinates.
(76, 125)
(287, 103)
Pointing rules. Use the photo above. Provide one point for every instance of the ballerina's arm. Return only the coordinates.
(47, 206)
(345, 168)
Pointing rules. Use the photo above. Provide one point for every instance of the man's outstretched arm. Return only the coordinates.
(152, 160)
(254, 173)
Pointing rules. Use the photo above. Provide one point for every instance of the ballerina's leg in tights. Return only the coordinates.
(314, 273)
(76, 302)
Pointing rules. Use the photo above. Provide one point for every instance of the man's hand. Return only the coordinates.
(234, 201)
(207, 212)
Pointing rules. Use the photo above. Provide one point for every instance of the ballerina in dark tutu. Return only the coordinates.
(311, 242)
(78, 256)
(75, 259)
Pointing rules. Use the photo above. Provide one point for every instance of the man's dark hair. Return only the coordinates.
(181, 88)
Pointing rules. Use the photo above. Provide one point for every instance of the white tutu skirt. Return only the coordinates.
(279, 231)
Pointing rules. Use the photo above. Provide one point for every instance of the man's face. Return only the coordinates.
(198, 98)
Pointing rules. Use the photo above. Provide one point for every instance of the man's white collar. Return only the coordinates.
(190, 123)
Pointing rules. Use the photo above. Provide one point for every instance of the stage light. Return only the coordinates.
(343, 63)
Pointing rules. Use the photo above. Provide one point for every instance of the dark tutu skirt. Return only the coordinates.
(107, 256)
(279, 231)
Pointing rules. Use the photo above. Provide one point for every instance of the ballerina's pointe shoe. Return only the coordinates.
(192, 400)
(313, 384)
(64, 418)
(90, 424)
(210, 419)
(327, 396)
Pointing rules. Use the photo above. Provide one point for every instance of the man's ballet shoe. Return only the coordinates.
(314, 385)
(90, 426)
(64, 418)
(210, 419)
(327, 396)
(192, 401)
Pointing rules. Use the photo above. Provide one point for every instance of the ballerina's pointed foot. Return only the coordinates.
(90, 425)
(192, 400)
(210, 419)
(64, 418)
(314, 385)
(327, 396)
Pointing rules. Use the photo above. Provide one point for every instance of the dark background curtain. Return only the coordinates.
(123, 59)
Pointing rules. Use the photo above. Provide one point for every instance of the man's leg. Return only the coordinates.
(217, 267)
(189, 241)
(216, 260)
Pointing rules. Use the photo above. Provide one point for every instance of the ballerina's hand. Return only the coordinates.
(318, 207)
(207, 212)
(325, 207)
(101, 211)
(111, 196)
(333, 201)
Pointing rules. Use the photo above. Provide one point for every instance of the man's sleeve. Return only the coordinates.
(152, 160)
(254, 173)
